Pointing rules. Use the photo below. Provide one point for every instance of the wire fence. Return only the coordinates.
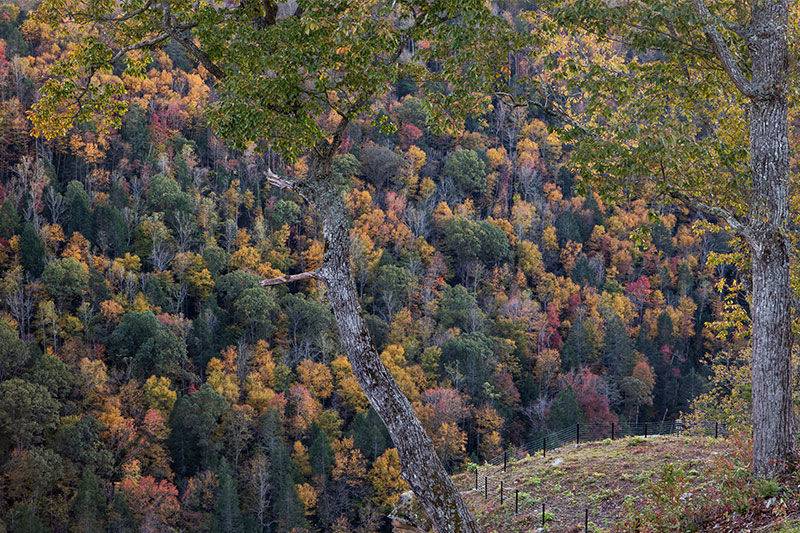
(489, 478)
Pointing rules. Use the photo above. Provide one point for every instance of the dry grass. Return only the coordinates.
(599, 476)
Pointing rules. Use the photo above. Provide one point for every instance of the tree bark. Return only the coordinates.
(773, 441)
(421, 467)
(766, 229)
(773, 444)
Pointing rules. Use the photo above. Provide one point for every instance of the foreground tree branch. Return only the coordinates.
(285, 184)
(421, 467)
(722, 50)
(143, 44)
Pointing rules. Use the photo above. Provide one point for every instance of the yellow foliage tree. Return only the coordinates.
(347, 386)
(307, 495)
(488, 423)
(450, 443)
(158, 393)
(316, 377)
(348, 462)
(409, 379)
(386, 478)
(301, 458)
(221, 375)
(530, 259)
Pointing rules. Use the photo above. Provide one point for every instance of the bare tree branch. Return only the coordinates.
(285, 184)
(188, 44)
(722, 50)
(289, 278)
(693, 203)
(171, 31)
(279, 182)
(127, 16)
(145, 43)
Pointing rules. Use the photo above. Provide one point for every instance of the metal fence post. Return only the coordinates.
(501, 492)
(577, 433)
(586, 520)
(542, 514)
(505, 459)
(645, 430)
(485, 488)
(476, 479)
(716, 429)
(544, 447)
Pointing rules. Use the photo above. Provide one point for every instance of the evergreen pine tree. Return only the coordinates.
(227, 515)
(580, 347)
(618, 348)
(320, 453)
(79, 216)
(31, 250)
(565, 410)
(89, 506)
(9, 219)
(287, 511)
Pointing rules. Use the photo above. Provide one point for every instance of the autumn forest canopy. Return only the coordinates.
(244, 244)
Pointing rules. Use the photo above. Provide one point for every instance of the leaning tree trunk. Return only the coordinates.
(773, 444)
(421, 467)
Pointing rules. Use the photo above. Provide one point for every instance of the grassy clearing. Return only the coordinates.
(600, 476)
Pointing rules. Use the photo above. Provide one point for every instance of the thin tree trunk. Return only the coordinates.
(421, 467)
(769, 216)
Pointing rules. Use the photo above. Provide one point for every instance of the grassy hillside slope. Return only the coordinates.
(662, 483)
(601, 476)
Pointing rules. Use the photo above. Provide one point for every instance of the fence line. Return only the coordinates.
(551, 442)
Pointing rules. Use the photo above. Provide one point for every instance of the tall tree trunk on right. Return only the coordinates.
(766, 228)
(773, 444)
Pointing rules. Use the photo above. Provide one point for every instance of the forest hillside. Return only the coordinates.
(150, 382)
